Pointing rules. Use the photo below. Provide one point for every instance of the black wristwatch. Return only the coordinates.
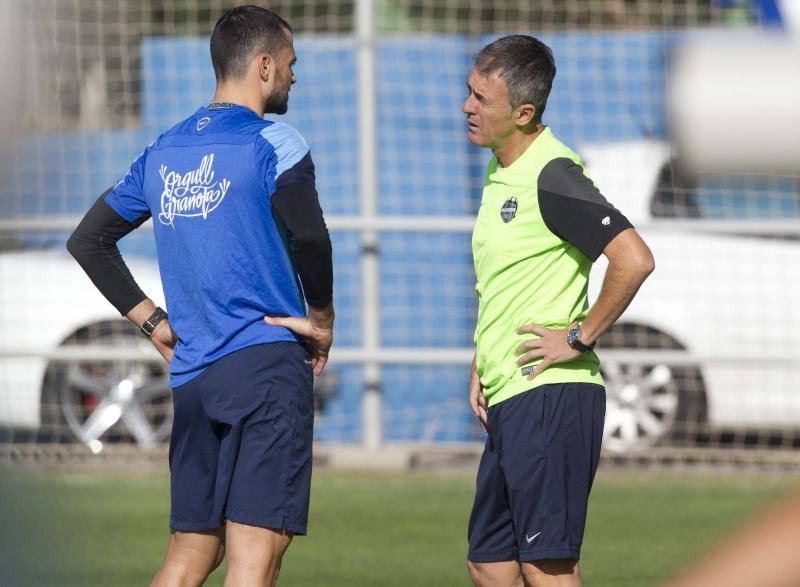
(574, 340)
(149, 325)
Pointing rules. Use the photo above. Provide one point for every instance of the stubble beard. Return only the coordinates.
(277, 105)
(278, 101)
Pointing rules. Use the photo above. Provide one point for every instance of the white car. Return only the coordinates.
(725, 298)
(48, 302)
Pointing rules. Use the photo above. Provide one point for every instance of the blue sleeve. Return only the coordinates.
(127, 197)
(292, 157)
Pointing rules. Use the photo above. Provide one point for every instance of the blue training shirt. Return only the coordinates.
(223, 258)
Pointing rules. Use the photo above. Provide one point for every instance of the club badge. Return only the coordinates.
(509, 210)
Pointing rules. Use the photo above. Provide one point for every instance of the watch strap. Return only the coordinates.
(149, 325)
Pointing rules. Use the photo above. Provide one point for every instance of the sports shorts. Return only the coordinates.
(241, 441)
(534, 478)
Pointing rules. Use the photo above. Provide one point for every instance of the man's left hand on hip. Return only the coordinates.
(550, 346)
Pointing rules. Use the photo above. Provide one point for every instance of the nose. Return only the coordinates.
(467, 107)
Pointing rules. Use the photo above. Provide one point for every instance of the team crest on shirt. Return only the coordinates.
(508, 210)
(193, 194)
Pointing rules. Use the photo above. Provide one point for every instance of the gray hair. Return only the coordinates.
(525, 64)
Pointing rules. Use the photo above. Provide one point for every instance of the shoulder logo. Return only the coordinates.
(606, 221)
(509, 210)
(191, 194)
(203, 122)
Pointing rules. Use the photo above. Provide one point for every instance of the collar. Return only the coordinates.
(220, 105)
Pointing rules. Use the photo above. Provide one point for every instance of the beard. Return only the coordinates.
(277, 102)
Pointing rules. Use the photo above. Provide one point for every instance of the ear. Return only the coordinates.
(265, 66)
(524, 114)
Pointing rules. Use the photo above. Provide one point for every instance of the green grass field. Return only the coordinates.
(366, 529)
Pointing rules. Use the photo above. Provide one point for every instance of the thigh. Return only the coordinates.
(491, 527)
(271, 481)
(193, 459)
(550, 512)
(581, 435)
(520, 422)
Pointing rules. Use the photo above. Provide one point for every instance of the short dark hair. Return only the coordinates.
(525, 64)
(241, 33)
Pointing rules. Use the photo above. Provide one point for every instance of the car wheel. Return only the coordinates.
(649, 404)
(95, 402)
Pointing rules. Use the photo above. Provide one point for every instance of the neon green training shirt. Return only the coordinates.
(541, 225)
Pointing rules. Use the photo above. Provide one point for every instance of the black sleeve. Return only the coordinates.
(297, 206)
(574, 209)
(94, 246)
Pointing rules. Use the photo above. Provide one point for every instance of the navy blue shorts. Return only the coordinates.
(536, 471)
(241, 441)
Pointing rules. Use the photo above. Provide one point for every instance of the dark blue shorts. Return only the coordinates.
(241, 441)
(537, 468)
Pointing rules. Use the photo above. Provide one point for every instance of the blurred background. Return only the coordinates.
(702, 375)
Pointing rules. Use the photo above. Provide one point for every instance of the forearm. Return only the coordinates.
(141, 312)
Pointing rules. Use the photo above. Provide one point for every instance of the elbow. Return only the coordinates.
(83, 246)
(641, 260)
(631, 256)
(73, 245)
(643, 265)
(647, 264)
(638, 264)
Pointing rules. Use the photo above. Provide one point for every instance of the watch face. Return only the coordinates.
(574, 340)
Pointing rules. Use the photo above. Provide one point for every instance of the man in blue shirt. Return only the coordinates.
(242, 249)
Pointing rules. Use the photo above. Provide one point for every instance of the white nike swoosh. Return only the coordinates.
(530, 538)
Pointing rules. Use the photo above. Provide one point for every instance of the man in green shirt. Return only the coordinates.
(536, 385)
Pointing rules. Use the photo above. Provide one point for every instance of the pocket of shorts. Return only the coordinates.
(543, 419)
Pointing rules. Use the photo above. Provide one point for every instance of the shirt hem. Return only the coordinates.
(176, 381)
(523, 384)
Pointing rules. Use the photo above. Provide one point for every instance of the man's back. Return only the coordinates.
(224, 263)
(243, 248)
